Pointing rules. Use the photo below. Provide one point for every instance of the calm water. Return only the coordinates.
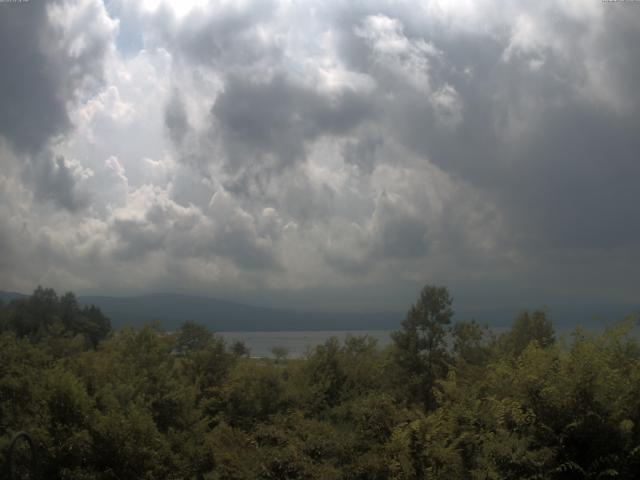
(298, 342)
(261, 343)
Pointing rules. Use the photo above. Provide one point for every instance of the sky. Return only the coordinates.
(322, 154)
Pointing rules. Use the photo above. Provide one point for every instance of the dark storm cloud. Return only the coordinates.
(399, 234)
(302, 145)
(558, 162)
(47, 62)
(239, 244)
(182, 233)
(40, 73)
(31, 85)
(175, 118)
(270, 122)
(227, 36)
(615, 49)
(362, 152)
(235, 234)
(215, 35)
(577, 180)
(138, 238)
(53, 180)
(519, 136)
(564, 177)
(6, 251)
(348, 264)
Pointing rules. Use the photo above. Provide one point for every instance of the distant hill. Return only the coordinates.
(6, 297)
(171, 310)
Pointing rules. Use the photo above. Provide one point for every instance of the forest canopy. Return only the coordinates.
(445, 400)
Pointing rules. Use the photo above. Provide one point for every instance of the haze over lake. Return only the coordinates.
(298, 343)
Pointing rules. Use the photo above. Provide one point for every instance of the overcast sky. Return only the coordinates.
(336, 154)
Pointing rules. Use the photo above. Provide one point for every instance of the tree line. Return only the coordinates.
(444, 401)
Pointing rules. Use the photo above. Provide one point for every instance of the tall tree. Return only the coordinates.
(420, 345)
(470, 343)
(529, 327)
(193, 336)
(44, 314)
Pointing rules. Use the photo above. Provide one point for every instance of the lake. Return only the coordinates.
(261, 343)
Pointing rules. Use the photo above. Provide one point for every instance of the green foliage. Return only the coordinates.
(44, 315)
(193, 337)
(534, 327)
(471, 343)
(252, 395)
(420, 345)
(280, 353)
(240, 349)
(440, 403)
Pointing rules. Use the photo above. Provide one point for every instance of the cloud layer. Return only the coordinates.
(347, 152)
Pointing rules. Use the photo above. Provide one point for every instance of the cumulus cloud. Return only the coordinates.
(276, 146)
(54, 179)
(271, 123)
(52, 57)
(50, 52)
(175, 118)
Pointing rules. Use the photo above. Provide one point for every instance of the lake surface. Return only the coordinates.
(298, 342)
(261, 343)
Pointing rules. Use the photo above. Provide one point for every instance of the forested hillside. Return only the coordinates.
(445, 401)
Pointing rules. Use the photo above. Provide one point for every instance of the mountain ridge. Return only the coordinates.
(170, 310)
